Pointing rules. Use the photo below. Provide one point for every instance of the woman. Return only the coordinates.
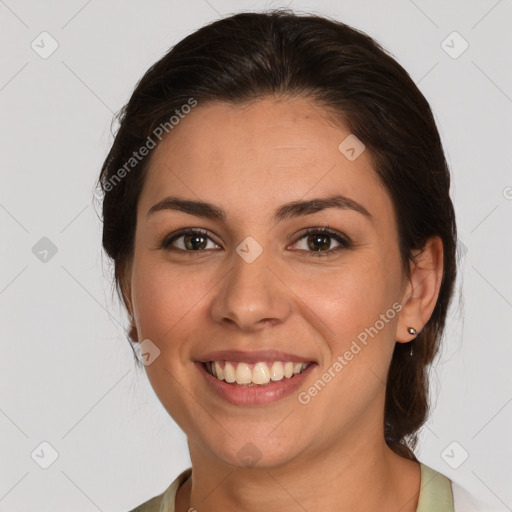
(277, 209)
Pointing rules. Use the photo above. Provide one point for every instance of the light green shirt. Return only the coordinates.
(435, 493)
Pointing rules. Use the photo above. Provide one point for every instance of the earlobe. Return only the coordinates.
(422, 289)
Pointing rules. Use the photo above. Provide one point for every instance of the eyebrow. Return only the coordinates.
(288, 210)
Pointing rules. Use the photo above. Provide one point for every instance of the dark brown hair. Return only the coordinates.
(247, 56)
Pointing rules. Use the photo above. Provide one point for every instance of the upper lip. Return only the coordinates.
(253, 356)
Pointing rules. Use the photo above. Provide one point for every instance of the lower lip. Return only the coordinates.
(255, 395)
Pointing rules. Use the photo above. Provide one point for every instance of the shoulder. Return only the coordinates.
(165, 501)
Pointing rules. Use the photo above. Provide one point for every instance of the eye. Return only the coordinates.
(188, 240)
(315, 241)
(319, 241)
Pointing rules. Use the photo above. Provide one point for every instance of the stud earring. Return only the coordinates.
(411, 330)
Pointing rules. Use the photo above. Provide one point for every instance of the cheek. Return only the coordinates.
(352, 297)
(163, 296)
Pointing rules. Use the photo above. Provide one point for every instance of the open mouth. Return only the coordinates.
(262, 373)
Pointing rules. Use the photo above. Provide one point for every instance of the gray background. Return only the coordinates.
(67, 376)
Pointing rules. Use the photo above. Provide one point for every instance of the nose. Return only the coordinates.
(251, 296)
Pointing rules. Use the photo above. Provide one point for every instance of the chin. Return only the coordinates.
(255, 452)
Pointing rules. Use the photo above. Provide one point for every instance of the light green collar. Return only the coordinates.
(435, 492)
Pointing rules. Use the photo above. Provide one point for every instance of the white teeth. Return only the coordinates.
(297, 368)
(288, 370)
(277, 371)
(229, 373)
(243, 374)
(219, 372)
(260, 374)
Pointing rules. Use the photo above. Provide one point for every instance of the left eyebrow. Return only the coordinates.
(298, 208)
(288, 210)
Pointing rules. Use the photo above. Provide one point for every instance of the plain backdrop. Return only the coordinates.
(71, 398)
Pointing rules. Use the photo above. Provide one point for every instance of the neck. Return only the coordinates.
(354, 475)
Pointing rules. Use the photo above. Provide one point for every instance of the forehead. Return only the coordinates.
(260, 153)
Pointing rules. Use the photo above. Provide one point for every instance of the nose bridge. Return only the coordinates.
(251, 296)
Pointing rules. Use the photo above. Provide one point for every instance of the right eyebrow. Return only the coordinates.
(199, 208)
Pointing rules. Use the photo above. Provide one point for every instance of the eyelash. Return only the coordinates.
(343, 240)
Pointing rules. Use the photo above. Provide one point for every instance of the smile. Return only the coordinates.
(245, 392)
(253, 374)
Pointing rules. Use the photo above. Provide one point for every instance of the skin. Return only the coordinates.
(249, 160)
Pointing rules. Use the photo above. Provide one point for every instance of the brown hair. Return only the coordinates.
(249, 55)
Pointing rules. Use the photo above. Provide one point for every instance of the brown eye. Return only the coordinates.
(319, 242)
(188, 240)
(195, 242)
(322, 242)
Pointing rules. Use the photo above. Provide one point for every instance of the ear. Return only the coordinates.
(421, 290)
(125, 280)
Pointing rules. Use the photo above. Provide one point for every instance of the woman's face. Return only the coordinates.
(253, 280)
